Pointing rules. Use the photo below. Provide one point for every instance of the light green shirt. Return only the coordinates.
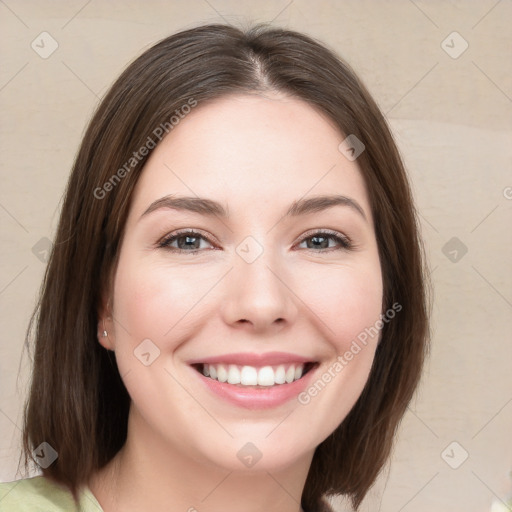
(40, 494)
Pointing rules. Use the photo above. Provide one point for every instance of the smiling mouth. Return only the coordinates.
(254, 376)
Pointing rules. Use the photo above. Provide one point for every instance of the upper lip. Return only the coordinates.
(253, 359)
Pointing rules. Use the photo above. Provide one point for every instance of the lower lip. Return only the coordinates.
(257, 398)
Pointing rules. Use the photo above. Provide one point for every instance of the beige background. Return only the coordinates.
(452, 120)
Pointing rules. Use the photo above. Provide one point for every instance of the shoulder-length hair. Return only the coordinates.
(77, 401)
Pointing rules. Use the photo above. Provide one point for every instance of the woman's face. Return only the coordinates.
(264, 288)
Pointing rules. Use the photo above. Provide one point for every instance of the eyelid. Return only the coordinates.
(162, 243)
(344, 242)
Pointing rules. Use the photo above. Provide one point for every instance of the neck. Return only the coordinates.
(148, 474)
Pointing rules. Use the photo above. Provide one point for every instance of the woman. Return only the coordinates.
(234, 315)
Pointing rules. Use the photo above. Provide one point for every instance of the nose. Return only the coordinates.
(259, 295)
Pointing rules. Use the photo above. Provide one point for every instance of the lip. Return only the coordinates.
(252, 397)
(253, 359)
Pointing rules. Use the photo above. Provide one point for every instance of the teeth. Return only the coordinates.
(266, 376)
(222, 374)
(280, 375)
(233, 375)
(290, 374)
(251, 376)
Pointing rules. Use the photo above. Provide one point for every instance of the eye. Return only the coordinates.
(321, 239)
(186, 241)
(189, 241)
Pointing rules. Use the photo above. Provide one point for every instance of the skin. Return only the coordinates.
(256, 155)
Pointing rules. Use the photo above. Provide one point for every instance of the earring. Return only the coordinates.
(105, 334)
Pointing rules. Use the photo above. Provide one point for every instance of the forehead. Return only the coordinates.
(251, 150)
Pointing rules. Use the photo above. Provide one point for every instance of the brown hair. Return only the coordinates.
(78, 402)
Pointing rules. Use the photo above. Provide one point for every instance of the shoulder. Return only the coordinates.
(40, 493)
(34, 494)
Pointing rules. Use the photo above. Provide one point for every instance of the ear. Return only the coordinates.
(105, 328)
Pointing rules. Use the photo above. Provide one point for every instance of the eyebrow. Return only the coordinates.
(210, 207)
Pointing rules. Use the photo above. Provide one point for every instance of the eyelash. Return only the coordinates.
(342, 240)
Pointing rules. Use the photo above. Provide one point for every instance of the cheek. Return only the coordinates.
(347, 299)
(152, 300)
(155, 299)
(349, 302)
(156, 302)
